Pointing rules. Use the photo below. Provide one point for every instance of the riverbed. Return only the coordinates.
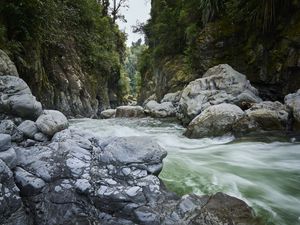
(263, 173)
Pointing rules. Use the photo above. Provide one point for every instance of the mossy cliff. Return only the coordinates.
(237, 32)
(69, 52)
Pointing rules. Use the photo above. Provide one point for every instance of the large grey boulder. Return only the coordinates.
(172, 97)
(29, 128)
(80, 179)
(293, 103)
(220, 84)
(107, 114)
(160, 110)
(264, 116)
(51, 122)
(130, 111)
(217, 120)
(5, 142)
(7, 67)
(16, 98)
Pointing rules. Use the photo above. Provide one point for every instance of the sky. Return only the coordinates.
(139, 10)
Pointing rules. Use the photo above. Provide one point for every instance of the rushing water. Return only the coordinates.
(265, 175)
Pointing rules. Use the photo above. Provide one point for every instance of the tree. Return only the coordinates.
(115, 9)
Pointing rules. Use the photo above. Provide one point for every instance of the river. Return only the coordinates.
(264, 174)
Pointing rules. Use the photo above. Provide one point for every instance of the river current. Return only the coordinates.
(263, 173)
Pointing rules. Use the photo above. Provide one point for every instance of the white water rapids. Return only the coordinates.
(264, 174)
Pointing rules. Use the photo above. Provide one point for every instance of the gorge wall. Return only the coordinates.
(259, 40)
(69, 53)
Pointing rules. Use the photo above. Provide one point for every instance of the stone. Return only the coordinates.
(29, 128)
(8, 127)
(264, 116)
(9, 157)
(220, 84)
(5, 142)
(107, 114)
(51, 122)
(28, 183)
(292, 101)
(172, 97)
(7, 67)
(130, 111)
(160, 110)
(40, 137)
(16, 98)
(217, 120)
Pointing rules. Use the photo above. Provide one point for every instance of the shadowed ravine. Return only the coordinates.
(265, 175)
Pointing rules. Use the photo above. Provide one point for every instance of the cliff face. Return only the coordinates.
(69, 53)
(180, 54)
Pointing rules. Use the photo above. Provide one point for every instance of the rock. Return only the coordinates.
(28, 183)
(29, 128)
(77, 178)
(12, 211)
(293, 103)
(5, 142)
(51, 122)
(16, 98)
(266, 116)
(220, 84)
(9, 157)
(107, 114)
(7, 67)
(163, 110)
(172, 97)
(214, 121)
(40, 137)
(130, 111)
(8, 127)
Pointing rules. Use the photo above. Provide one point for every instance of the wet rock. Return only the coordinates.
(7, 67)
(214, 121)
(160, 110)
(107, 114)
(220, 84)
(293, 103)
(51, 122)
(29, 128)
(5, 142)
(130, 111)
(16, 98)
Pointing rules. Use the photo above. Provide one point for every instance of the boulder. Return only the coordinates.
(107, 114)
(7, 67)
(130, 111)
(5, 142)
(40, 137)
(51, 122)
(292, 101)
(16, 98)
(220, 84)
(217, 120)
(160, 110)
(264, 116)
(29, 128)
(172, 97)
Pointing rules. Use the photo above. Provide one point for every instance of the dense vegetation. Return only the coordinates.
(253, 36)
(40, 35)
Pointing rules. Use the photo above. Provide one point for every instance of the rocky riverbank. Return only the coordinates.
(224, 102)
(52, 175)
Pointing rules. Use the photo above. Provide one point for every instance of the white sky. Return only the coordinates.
(139, 10)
